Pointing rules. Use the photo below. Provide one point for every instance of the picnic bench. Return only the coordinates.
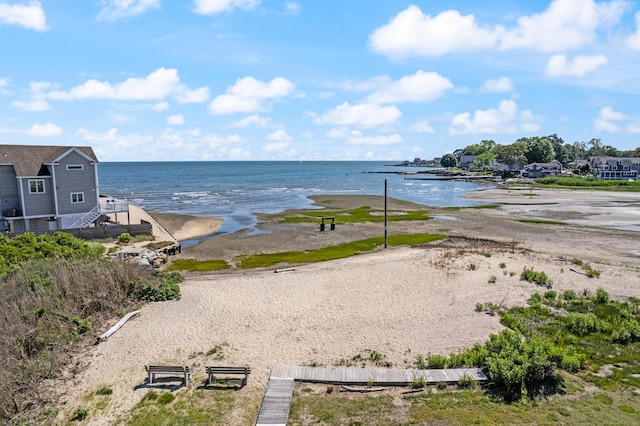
(172, 370)
(215, 370)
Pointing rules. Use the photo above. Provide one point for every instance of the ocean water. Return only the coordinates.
(235, 190)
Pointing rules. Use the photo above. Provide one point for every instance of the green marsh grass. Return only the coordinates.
(339, 251)
(197, 265)
(358, 215)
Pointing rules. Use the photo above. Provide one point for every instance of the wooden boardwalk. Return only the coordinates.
(377, 376)
(276, 402)
(277, 399)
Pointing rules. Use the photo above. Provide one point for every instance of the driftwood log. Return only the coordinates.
(116, 327)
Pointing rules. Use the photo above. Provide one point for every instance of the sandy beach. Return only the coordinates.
(400, 301)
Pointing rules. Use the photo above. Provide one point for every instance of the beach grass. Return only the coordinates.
(588, 183)
(482, 206)
(197, 265)
(339, 251)
(357, 215)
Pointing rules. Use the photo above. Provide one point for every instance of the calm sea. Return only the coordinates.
(234, 191)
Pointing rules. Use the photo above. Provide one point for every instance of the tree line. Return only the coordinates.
(535, 149)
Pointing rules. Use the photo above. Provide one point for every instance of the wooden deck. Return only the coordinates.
(277, 399)
(377, 376)
(276, 402)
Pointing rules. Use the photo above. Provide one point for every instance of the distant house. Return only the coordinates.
(615, 168)
(538, 170)
(47, 188)
(466, 161)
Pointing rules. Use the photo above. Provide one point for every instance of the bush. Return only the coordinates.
(467, 382)
(582, 324)
(437, 361)
(627, 332)
(80, 414)
(539, 278)
(124, 238)
(601, 297)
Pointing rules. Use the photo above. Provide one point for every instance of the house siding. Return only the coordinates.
(72, 181)
(40, 204)
(9, 196)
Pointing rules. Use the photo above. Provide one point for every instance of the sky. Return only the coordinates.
(160, 80)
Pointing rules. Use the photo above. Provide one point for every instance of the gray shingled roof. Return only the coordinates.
(28, 159)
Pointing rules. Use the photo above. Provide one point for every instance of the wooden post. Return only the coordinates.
(385, 213)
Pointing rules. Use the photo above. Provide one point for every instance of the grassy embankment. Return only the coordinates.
(55, 291)
(358, 215)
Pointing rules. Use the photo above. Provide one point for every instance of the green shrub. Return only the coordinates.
(437, 361)
(467, 382)
(124, 238)
(503, 265)
(80, 414)
(493, 279)
(582, 324)
(569, 295)
(471, 267)
(539, 278)
(418, 382)
(627, 332)
(601, 297)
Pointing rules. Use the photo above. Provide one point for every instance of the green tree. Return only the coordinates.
(510, 155)
(448, 160)
(539, 150)
(558, 144)
(484, 160)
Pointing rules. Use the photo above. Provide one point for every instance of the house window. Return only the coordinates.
(36, 186)
(77, 197)
(75, 167)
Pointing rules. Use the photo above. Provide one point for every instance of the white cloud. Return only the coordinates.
(247, 93)
(499, 85)
(280, 141)
(362, 115)
(4, 81)
(160, 106)
(504, 120)
(252, 120)
(607, 118)
(375, 140)
(113, 10)
(210, 7)
(292, 8)
(156, 86)
(565, 24)
(411, 32)
(175, 120)
(420, 87)
(422, 127)
(30, 16)
(581, 65)
(44, 130)
(31, 106)
(633, 41)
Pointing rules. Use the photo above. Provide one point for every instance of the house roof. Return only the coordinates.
(28, 159)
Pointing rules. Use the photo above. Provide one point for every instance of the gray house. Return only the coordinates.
(46, 188)
(615, 168)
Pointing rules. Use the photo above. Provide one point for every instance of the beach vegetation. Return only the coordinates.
(339, 251)
(472, 267)
(124, 238)
(502, 265)
(588, 182)
(193, 265)
(539, 278)
(80, 414)
(588, 270)
(493, 279)
(55, 291)
(342, 216)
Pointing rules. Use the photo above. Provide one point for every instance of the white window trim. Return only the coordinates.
(44, 188)
(75, 166)
(77, 193)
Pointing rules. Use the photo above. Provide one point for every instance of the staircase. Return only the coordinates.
(87, 219)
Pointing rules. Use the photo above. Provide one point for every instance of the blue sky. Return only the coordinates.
(143, 80)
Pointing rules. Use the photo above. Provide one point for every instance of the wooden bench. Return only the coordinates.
(173, 370)
(212, 371)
